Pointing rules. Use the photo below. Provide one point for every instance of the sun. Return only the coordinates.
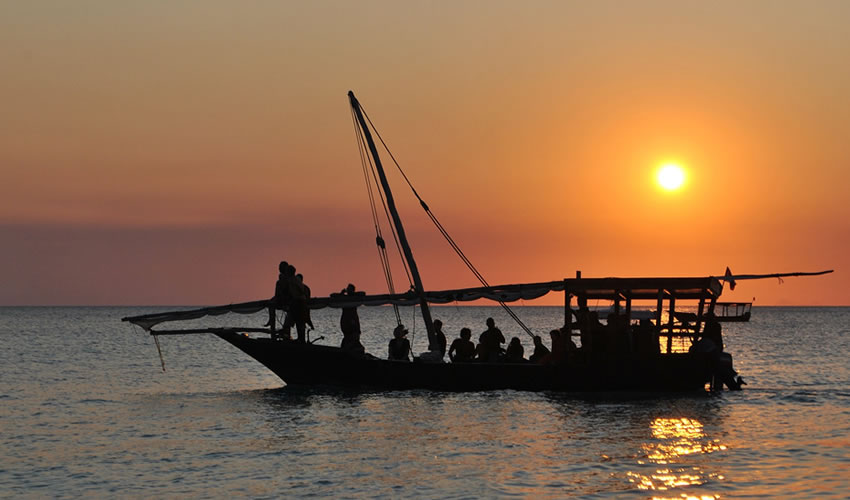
(671, 176)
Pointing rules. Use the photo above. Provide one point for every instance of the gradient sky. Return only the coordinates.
(174, 152)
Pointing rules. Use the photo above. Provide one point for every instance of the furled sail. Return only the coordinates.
(148, 321)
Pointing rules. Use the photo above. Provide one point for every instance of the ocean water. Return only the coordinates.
(86, 410)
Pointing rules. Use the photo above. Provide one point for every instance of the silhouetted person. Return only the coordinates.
(490, 342)
(299, 308)
(611, 332)
(643, 338)
(704, 344)
(399, 347)
(567, 340)
(300, 278)
(281, 298)
(349, 323)
(592, 332)
(712, 331)
(515, 352)
(598, 333)
(462, 349)
(540, 350)
(559, 350)
(438, 342)
(711, 343)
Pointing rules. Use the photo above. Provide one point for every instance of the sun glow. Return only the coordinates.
(671, 177)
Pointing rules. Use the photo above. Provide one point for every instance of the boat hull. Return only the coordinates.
(734, 319)
(316, 365)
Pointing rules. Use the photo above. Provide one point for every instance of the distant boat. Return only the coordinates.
(733, 311)
(619, 355)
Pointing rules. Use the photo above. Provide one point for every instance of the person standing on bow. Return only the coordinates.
(399, 347)
(281, 297)
(308, 319)
(299, 307)
(349, 323)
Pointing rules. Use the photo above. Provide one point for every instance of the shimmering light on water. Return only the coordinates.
(678, 436)
(674, 438)
(688, 497)
(86, 411)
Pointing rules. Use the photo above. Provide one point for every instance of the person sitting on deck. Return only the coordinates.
(712, 331)
(618, 331)
(567, 340)
(721, 362)
(540, 350)
(595, 333)
(490, 342)
(349, 323)
(559, 351)
(462, 349)
(436, 345)
(515, 352)
(645, 342)
(280, 300)
(612, 333)
(399, 347)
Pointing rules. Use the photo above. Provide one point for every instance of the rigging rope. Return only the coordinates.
(443, 230)
(379, 239)
(413, 327)
(392, 227)
(159, 350)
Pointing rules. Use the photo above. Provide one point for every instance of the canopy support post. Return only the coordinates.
(670, 324)
(700, 312)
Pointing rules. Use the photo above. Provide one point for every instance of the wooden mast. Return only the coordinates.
(414, 271)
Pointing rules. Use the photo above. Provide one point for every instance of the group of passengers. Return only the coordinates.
(617, 335)
(488, 350)
(614, 336)
(292, 296)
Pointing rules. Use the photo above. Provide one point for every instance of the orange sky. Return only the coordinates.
(160, 153)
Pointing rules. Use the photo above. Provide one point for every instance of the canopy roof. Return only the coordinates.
(590, 288)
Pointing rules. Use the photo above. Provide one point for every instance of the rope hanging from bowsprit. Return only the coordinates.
(159, 350)
(443, 230)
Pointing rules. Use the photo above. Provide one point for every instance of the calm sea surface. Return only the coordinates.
(85, 409)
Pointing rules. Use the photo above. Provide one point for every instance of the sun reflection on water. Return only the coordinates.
(688, 497)
(674, 438)
(678, 436)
